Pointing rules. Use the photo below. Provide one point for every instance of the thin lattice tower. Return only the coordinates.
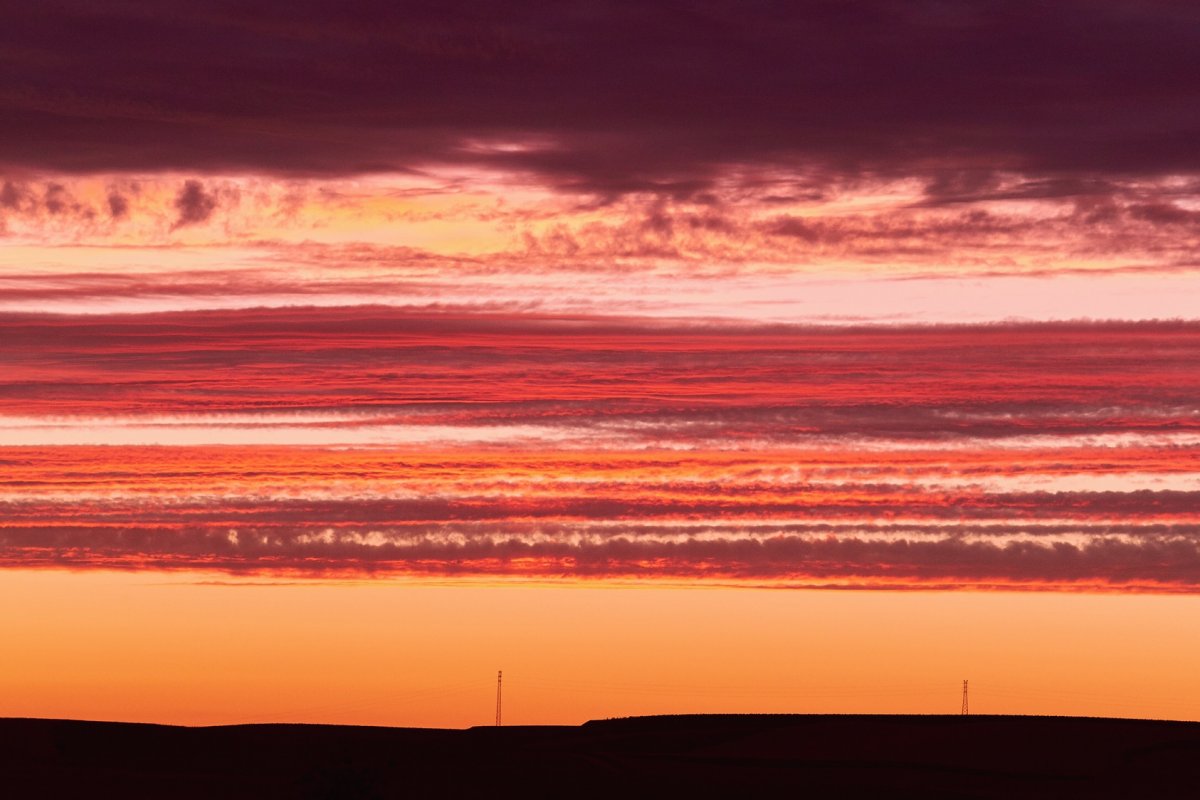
(499, 679)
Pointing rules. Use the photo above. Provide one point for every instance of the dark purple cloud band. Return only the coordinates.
(608, 96)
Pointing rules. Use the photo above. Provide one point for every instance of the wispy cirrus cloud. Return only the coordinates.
(449, 441)
(880, 226)
(739, 381)
(1095, 562)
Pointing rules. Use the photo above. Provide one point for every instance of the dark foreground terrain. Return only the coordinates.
(736, 756)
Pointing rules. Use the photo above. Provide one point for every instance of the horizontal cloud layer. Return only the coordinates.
(607, 97)
(1165, 562)
(455, 442)
(654, 381)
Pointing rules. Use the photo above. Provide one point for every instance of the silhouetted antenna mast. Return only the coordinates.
(964, 708)
(500, 677)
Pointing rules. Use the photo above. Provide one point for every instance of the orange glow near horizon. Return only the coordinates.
(183, 650)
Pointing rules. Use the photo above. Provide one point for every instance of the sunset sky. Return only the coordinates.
(672, 357)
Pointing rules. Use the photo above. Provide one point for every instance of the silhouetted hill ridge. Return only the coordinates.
(703, 755)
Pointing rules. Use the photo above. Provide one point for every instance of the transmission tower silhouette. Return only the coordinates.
(499, 678)
(964, 707)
